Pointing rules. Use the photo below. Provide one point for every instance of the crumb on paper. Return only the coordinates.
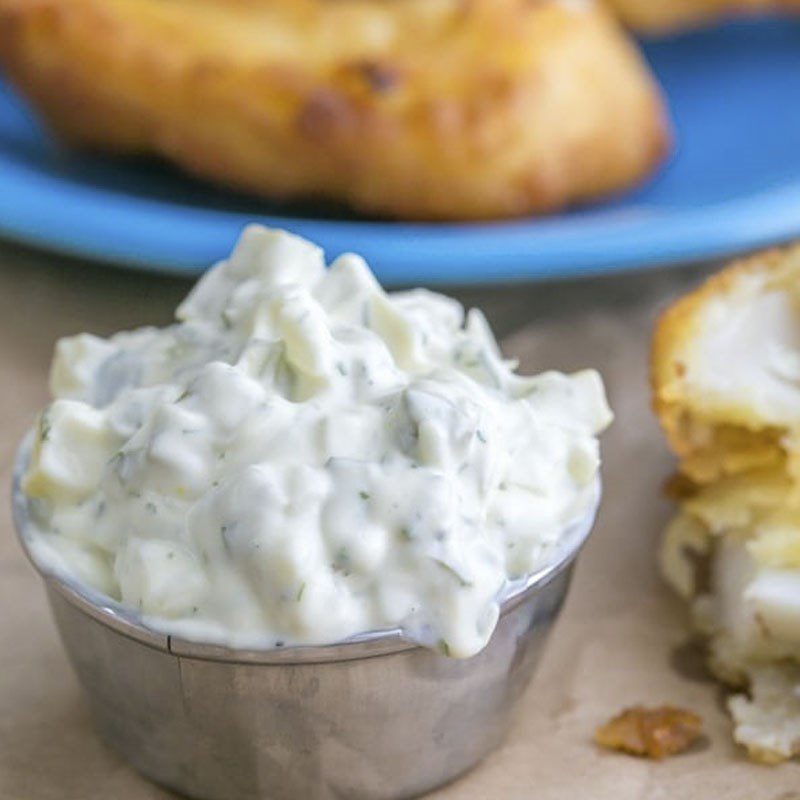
(650, 732)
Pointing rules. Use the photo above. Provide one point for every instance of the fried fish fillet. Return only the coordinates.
(438, 109)
(726, 387)
(726, 369)
(660, 16)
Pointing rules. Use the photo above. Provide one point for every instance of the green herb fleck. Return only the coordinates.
(45, 426)
(481, 436)
(341, 561)
(464, 584)
(443, 647)
(224, 531)
(364, 495)
(120, 464)
(301, 591)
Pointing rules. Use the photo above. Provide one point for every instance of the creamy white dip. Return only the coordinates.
(302, 457)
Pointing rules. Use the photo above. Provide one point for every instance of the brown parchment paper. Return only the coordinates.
(621, 639)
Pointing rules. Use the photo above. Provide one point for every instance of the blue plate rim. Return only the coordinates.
(158, 235)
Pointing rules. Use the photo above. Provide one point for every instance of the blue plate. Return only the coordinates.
(733, 184)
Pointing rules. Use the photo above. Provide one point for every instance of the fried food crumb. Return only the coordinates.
(650, 732)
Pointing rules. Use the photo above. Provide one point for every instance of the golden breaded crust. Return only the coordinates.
(661, 16)
(439, 109)
(727, 438)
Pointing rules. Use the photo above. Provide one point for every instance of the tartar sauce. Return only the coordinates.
(302, 457)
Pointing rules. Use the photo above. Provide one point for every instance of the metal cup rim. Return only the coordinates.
(129, 622)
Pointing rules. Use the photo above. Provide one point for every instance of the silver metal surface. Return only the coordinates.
(373, 718)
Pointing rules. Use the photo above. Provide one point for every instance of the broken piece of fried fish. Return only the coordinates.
(726, 388)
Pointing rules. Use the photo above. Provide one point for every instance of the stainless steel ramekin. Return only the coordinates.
(373, 718)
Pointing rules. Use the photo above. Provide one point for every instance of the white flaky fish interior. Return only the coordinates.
(726, 381)
(303, 457)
